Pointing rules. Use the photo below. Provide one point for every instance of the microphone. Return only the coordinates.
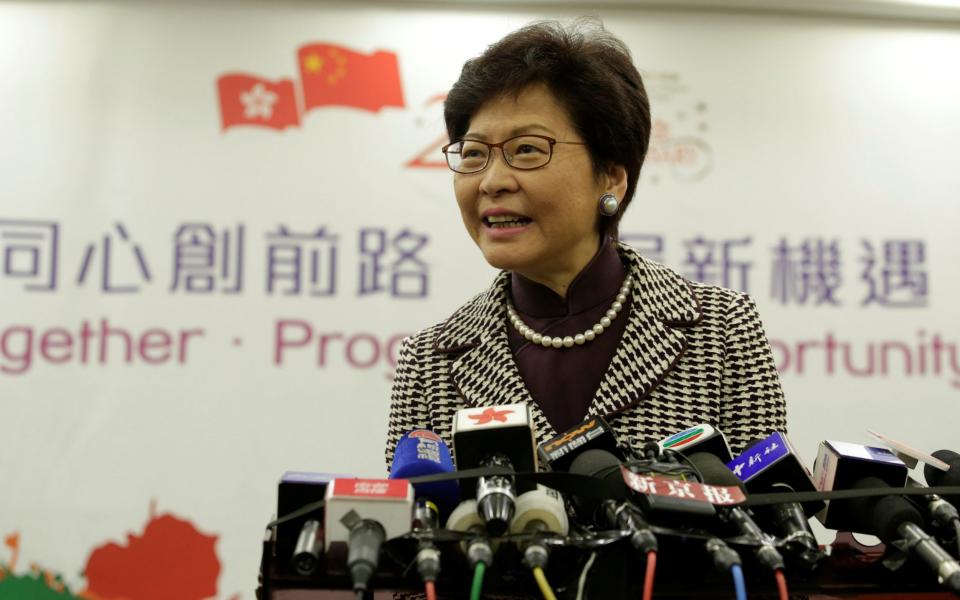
(615, 512)
(302, 538)
(893, 518)
(773, 465)
(495, 436)
(423, 452)
(592, 434)
(940, 511)
(951, 476)
(306, 554)
(840, 464)
(699, 438)
(539, 511)
(466, 518)
(716, 473)
(364, 513)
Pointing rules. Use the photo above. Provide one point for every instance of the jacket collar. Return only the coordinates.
(662, 304)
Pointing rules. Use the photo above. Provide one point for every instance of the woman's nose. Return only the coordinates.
(498, 177)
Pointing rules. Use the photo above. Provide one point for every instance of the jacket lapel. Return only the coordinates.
(485, 372)
(662, 304)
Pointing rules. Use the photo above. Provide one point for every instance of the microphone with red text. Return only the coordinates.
(716, 473)
(593, 447)
(422, 452)
(616, 511)
(495, 436)
(896, 521)
(773, 465)
(364, 513)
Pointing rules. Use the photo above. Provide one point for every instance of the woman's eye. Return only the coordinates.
(527, 149)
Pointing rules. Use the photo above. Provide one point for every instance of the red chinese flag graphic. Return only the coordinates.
(334, 75)
(249, 100)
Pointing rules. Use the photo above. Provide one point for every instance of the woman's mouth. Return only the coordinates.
(505, 221)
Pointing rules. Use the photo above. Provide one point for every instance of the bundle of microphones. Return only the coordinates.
(582, 494)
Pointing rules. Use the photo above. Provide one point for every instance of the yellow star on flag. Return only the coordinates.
(313, 63)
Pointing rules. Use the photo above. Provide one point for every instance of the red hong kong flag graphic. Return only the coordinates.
(334, 75)
(491, 415)
(249, 100)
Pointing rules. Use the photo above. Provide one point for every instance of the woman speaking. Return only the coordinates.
(548, 131)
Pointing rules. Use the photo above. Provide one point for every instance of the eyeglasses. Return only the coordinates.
(523, 152)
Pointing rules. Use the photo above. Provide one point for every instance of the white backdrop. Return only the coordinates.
(841, 135)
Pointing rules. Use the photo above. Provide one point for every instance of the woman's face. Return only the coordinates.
(558, 203)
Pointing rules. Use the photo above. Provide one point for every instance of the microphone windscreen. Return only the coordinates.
(935, 476)
(881, 516)
(422, 452)
(597, 463)
(602, 465)
(543, 505)
(714, 471)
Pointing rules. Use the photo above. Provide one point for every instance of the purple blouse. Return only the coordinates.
(563, 381)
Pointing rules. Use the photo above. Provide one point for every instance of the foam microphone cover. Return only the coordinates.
(714, 471)
(602, 465)
(936, 477)
(422, 452)
(544, 505)
(881, 516)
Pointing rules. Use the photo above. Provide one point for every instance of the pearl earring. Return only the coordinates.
(609, 205)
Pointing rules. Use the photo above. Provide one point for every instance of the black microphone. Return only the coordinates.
(951, 477)
(773, 465)
(716, 473)
(592, 434)
(941, 512)
(616, 511)
(302, 538)
(893, 518)
(495, 436)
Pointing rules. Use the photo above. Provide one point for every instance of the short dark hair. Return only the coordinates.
(591, 74)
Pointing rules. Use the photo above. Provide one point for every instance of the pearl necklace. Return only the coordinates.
(581, 338)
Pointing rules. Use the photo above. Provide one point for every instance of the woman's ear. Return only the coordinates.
(615, 180)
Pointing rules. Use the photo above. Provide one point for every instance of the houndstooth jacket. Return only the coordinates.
(691, 353)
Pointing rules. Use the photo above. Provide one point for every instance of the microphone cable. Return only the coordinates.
(739, 585)
(543, 584)
(782, 584)
(582, 583)
(648, 578)
(477, 580)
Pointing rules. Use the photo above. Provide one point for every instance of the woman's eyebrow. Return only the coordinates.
(519, 130)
